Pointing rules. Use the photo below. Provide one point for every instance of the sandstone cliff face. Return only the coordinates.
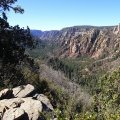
(85, 40)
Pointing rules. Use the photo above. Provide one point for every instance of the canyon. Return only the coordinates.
(96, 42)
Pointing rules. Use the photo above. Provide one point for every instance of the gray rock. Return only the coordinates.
(18, 106)
(6, 94)
(32, 108)
(14, 114)
(12, 103)
(45, 101)
(23, 91)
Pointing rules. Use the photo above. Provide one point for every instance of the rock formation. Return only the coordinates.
(75, 41)
(19, 104)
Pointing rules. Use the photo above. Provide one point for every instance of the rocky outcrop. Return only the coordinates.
(76, 41)
(93, 42)
(32, 108)
(23, 91)
(21, 107)
(14, 114)
(44, 101)
(6, 93)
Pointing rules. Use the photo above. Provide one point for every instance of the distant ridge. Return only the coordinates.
(95, 41)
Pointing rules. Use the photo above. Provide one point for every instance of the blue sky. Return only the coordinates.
(57, 14)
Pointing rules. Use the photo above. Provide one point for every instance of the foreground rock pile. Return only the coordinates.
(22, 103)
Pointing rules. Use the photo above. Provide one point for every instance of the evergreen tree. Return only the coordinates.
(13, 42)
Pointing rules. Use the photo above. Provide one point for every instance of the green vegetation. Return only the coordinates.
(43, 50)
(88, 74)
(108, 98)
(106, 104)
(13, 42)
(78, 70)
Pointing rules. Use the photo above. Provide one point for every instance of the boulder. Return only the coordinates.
(32, 108)
(14, 114)
(23, 91)
(45, 101)
(11, 103)
(16, 104)
(6, 94)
